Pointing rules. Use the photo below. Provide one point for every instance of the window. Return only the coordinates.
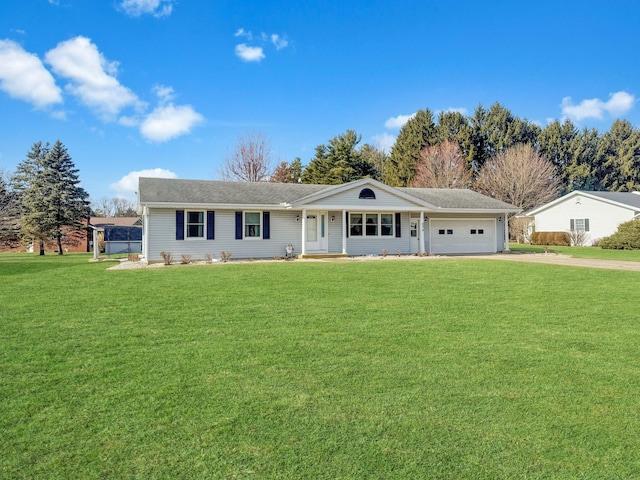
(375, 224)
(579, 225)
(372, 225)
(355, 220)
(252, 224)
(367, 193)
(449, 232)
(386, 224)
(195, 224)
(481, 231)
(473, 231)
(441, 232)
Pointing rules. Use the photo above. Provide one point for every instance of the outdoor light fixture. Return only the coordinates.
(333, 218)
(297, 218)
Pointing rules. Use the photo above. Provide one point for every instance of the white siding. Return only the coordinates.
(162, 237)
(350, 198)
(604, 218)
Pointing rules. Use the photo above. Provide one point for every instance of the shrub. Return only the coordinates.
(166, 256)
(627, 237)
(208, 258)
(550, 238)
(385, 252)
(225, 256)
(577, 237)
(133, 257)
(185, 259)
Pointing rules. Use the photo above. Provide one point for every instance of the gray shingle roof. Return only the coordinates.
(457, 198)
(179, 191)
(631, 199)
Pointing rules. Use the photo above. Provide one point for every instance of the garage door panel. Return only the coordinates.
(463, 236)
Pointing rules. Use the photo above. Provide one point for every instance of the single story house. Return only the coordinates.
(596, 214)
(365, 217)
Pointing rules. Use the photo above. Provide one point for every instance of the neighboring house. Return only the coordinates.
(117, 234)
(365, 217)
(596, 214)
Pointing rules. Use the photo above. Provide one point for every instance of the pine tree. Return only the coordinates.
(52, 199)
(339, 162)
(9, 213)
(419, 132)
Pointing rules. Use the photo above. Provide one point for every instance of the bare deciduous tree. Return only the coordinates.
(519, 175)
(442, 166)
(250, 161)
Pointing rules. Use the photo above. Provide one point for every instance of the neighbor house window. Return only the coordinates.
(252, 224)
(375, 224)
(195, 224)
(579, 224)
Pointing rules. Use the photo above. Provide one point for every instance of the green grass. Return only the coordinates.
(455, 368)
(581, 252)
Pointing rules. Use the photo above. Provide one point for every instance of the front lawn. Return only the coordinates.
(441, 368)
(580, 252)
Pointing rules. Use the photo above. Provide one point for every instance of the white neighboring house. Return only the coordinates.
(597, 214)
(365, 217)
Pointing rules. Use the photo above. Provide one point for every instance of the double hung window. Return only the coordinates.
(252, 224)
(195, 224)
(375, 224)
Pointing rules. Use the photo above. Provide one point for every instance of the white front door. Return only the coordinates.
(316, 233)
(414, 235)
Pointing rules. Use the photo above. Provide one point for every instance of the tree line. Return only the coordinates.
(492, 151)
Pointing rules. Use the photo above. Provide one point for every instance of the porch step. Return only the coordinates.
(323, 255)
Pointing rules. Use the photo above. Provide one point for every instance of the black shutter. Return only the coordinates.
(238, 225)
(266, 234)
(398, 225)
(179, 224)
(586, 224)
(347, 224)
(211, 231)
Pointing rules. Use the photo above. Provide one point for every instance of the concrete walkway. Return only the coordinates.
(566, 260)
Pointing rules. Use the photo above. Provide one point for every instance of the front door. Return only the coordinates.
(316, 234)
(415, 242)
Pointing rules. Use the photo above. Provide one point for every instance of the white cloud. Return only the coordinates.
(23, 76)
(279, 42)
(165, 93)
(619, 103)
(241, 32)
(127, 186)
(385, 141)
(249, 54)
(399, 121)
(168, 121)
(92, 77)
(157, 8)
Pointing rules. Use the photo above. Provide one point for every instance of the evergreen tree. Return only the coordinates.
(52, 199)
(287, 172)
(619, 158)
(455, 127)
(376, 157)
(338, 162)
(419, 132)
(9, 214)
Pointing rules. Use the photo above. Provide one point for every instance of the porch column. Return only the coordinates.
(96, 248)
(506, 232)
(421, 234)
(344, 231)
(430, 249)
(304, 231)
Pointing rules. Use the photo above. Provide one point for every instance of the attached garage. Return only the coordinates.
(451, 236)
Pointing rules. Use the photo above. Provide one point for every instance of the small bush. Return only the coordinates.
(385, 252)
(550, 238)
(225, 256)
(185, 259)
(133, 257)
(627, 237)
(166, 256)
(399, 253)
(577, 237)
(208, 258)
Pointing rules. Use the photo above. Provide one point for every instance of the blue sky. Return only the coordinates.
(165, 87)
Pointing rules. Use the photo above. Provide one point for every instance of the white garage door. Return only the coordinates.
(463, 236)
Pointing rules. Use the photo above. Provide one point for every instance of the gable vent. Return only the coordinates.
(367, 193)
